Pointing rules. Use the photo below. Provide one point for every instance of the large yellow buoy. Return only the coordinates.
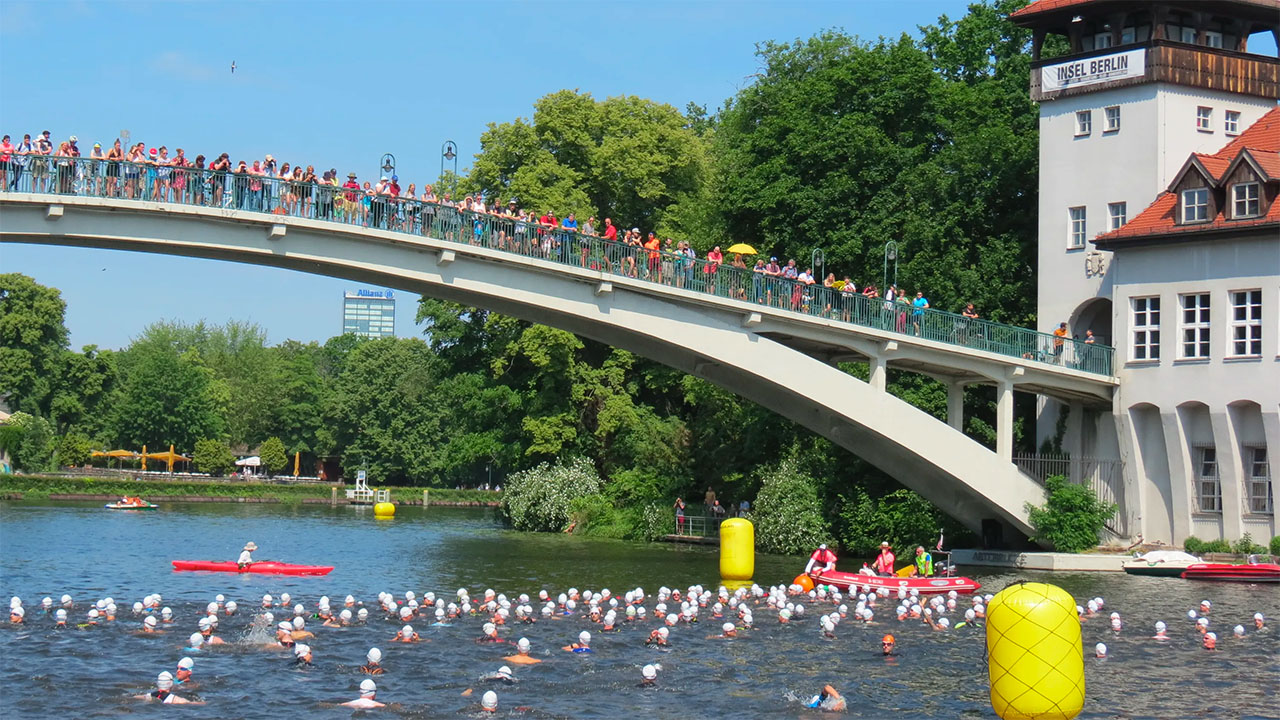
(384, 510)
(737, 549)
(1035, 660)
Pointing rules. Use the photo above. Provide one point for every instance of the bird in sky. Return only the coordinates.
(233, 67)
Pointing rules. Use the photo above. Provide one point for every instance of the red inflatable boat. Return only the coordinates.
(1251, 573)
(924, 585)
(266, 567)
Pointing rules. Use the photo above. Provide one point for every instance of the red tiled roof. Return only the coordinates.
(1044, 6)
(1262, 139)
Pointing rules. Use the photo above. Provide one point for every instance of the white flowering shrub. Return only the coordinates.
(787, 513)
(538, 499)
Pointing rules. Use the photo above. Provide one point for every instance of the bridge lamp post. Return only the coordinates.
(449, 153)
(890, 255)
(388, 164)
(818, 263)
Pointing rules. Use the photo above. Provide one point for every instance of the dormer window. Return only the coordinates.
(1245, 201)
(1195, 205)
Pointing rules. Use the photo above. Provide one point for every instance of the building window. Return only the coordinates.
(1117, 215)
(1195, 205)
(1260, 500)
(1084, 122)
(1204, 119)
(1127, 35)
(1188, 34)
(1194, 326)
(1208, 486)
(1113, 118)
(1078, 224)
(1246, 323)
(1101, 40)
(1231, 122)
(1244, 200)
(1146, 328)
(1213, 39)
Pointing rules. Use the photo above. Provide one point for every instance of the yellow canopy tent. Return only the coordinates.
(297, 460)
(169, 457)
(120, 455)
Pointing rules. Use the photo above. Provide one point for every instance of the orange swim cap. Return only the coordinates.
(887, 639)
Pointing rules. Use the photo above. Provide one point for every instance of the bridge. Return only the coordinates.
(766, 339)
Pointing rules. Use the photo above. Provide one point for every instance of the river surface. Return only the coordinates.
(48, 549)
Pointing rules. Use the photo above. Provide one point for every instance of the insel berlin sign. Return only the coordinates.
(1090, 71)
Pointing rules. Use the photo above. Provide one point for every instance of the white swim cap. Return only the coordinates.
(266, 598)
(149, 621)
(299, 610)
(1115, 616)
(663, 632)
(186, 663)
(1206, 603)
(362, 614)
(61, 614)
(1257, 616)
(285, 598)
(523, 644)
(489, 628)
(1191, 614)
(286, 626)
(66, 599)
(490, 700)
(137, 607)
(299, 623)
(944, 623)
(784, 613)
(406, 612)
(350, 599)
(1100, 649)
(93, 613)
(301, 649)
(727, 627)
(1213, 636)
(584, 637)
(970, 615)
(649, 672)
(164, 680)
(166, 612)
(204, 623)
(367, 688)
(1238, 630)
(345, 614)
(504, 671)
(406, 631)
(1203, 621)
(374, 655)
(196, 640)
(231, 606)
(1160, 626)
(18, 611)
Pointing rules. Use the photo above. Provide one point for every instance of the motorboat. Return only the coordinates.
(1256, 570)
(1161, 563)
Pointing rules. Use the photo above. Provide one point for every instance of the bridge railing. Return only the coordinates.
(331, 203)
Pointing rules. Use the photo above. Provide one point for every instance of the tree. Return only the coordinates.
(1072, 518)
(34, 450)
(85, 381)
(787, 514)
(32, 339)
(74, 449)
(213, 457)
(539, 499)
(167, 398)
(273, 455)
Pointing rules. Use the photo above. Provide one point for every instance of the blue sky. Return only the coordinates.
(336, 84)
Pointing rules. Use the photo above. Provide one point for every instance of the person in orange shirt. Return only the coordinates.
(654, 247)
(1059, 340)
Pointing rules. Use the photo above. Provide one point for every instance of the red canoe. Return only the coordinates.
(266, 567)
(1254, 573)
(923, 585)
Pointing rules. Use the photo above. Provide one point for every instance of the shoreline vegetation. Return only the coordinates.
(47, 487)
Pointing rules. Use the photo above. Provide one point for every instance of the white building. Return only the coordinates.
(1158, 233)
(369, 313)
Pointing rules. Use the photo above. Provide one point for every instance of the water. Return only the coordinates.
(89, 553)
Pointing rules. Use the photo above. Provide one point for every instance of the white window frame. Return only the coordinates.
(1245, 339)
(1117, 215)
(1084, 123)
(1128, 35)
(1213, 39)
(1258, 476)
(1247, 195)
(1102, 40)
(1208, 481)
(1111, 119)
(1145, 330)
(1201, 209)
(1077, 227)
(1204, 118)
(1194, 326)
(1188, 34)
(1231, 122)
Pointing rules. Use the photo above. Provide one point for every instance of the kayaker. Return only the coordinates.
(374, 666)
(164, 692)
(822, 560)
(246, 556)
(828, 700)
(368, 691)
(887, 645)
(522, 654)
(924, 562)
(884, 561)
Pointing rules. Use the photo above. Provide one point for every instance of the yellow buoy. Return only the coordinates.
(384, 510)
(737, 549)
(1035, 660)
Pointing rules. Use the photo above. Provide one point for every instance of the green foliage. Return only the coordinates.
(169, 395)
(74, 449)
(34, 450)
(901, 517)
(539, 499)
(597, 516)
(32, 340)
(213, 457)
(273, 455)
(1246, 546)
(1275, 546)
(656, 521)
(1072, 518)
(787, 514)
(1193, 545)
(36, 486)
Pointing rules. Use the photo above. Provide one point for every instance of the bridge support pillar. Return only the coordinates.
(879, 372)
(955, 405)
(1004, 420)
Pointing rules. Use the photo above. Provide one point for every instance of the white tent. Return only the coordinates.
(254, 461)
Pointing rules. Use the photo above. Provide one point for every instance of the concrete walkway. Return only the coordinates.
(1061, 562)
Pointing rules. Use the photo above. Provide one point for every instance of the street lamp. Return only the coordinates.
(388, 165)
(818, 263)
(449, 153)
(890, 255)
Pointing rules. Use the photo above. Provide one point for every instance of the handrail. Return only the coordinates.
(54, 175)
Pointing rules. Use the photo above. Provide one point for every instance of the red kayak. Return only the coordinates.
(923, 585)
(266, 567)
(1252, 573)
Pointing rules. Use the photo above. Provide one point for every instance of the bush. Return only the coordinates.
(1217, 546)
(33, 452)
(787, 513)
(273, 455)
(656, 521)
(1072, 518)
(901, 517)
(74, 449)
(213, 457)
(597, 516)
(1193, 545)
(1246, 546)
(1275, 546)
(538, 499)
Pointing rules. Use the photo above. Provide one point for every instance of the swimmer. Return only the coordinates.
(185, 665)
(1210, 641)
(16, 615)
(66, 602)
(649, 676)
(1204, 607)
(582, 646)
(1202, 625)
(522, 654)
(784, 616)
(1238, 631)
(406, 635)
(489, 702)
(206, 630)
(151, 625)
(1100, 651)
(164, 692)
(374, 666)
(503, 675)
(490, 634)
(828, 628)
(1258, 621)
(887, 645)
(1160, 631)
(727, 630)
(302, 655)
(368, 691)
(166, 615)
(266, 602)
(658, 638)
(195, 642)
(284, 633)
(828, 700)
(60, 618)
(299, 631)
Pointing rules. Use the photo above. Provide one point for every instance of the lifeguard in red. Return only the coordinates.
(820, 561)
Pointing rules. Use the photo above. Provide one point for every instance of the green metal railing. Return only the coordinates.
(358, 207)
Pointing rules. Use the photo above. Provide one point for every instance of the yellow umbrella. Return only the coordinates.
(144, 458)
(742, 249)
(297, 459)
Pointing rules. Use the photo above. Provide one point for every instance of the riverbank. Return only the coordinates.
(40, 487)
